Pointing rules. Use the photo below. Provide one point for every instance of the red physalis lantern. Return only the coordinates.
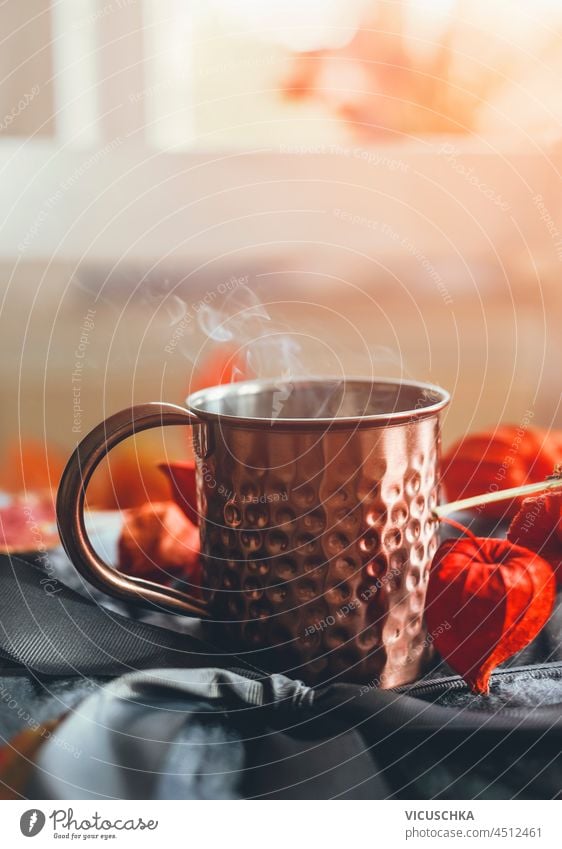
(181, 476)
(156, 538)
(491, 461)
(538, 526)
(494, 596)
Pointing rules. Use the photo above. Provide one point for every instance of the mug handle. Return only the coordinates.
(70, 509)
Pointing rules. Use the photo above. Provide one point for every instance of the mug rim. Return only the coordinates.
(195, 402)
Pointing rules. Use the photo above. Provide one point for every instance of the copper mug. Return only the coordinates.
(315, 500)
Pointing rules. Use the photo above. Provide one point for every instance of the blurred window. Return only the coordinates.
(173, 74)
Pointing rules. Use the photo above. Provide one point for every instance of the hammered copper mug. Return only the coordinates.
(315, 500)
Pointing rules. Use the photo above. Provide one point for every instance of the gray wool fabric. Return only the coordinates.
(159, 734)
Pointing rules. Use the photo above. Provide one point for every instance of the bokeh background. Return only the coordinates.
(194, 191)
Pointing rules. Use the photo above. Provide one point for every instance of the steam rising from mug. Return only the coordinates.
(232, 315)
